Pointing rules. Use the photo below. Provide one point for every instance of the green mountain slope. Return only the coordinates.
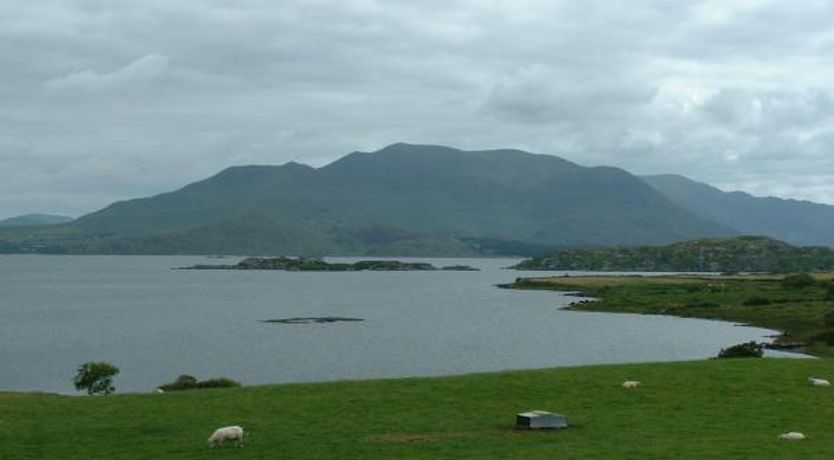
(740, 254)
(259, 234)
(510, 194)
(402, 200)
(797, 222)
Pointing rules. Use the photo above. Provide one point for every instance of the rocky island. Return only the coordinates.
(318, 265)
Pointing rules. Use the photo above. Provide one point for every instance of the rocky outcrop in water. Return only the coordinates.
(460, 268)
(311, 320)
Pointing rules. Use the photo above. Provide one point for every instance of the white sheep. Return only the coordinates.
(792, 436)
(819, 382)
(631, 384)
(227, 433)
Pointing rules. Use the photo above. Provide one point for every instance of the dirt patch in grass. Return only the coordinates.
(432, 437)
(411, 437)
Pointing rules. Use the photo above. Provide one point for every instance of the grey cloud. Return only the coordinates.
(544, 94)
(141, 71)
(141, 97)
(769, 110)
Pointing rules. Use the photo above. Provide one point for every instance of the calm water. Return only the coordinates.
(155, 323)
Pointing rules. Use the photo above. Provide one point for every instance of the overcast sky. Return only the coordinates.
(102, 100)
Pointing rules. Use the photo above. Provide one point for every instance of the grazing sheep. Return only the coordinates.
(631, 384)
(792, 436)
(819, 382)
(160, 391)
(227, 433)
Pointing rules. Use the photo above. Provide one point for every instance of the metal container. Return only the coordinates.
(539, 419)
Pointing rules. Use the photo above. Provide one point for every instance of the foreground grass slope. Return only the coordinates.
(706, 409)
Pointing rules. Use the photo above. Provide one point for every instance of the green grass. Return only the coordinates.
(704, 409)
(798, 312)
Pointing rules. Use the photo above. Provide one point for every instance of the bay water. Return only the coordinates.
(156, 323)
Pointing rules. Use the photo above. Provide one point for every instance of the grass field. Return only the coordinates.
(704, 409)
(759, 300)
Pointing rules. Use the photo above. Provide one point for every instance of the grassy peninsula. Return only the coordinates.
(729, 409)
(802, 306)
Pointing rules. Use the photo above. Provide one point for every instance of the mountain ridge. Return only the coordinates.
(403, 199)
(798, 222)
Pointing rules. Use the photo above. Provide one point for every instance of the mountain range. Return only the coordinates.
(423, 200)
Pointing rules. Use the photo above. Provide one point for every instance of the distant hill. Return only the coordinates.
(739, 254)
(797, 222)
(402, 200)
(27, 220)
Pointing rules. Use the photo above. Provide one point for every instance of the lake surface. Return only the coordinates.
(156, 323)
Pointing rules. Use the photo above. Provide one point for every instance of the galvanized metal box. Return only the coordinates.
(539, 419)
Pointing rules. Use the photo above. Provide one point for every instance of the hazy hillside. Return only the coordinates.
(403, 199)
(34, 220)
(258, 234)
(740, 254)
(797, 222)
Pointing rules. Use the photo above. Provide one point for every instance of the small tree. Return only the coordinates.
(96, 378)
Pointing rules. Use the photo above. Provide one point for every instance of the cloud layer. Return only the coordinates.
(107, 100)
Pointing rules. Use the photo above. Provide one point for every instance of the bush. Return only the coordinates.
(798, 281)
(828, 319)
(221, 382)
(183, 382)
(754, 301)
(96, 378)
(189, 382)
(743, 350)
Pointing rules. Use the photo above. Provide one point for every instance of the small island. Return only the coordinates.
(318, 265)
